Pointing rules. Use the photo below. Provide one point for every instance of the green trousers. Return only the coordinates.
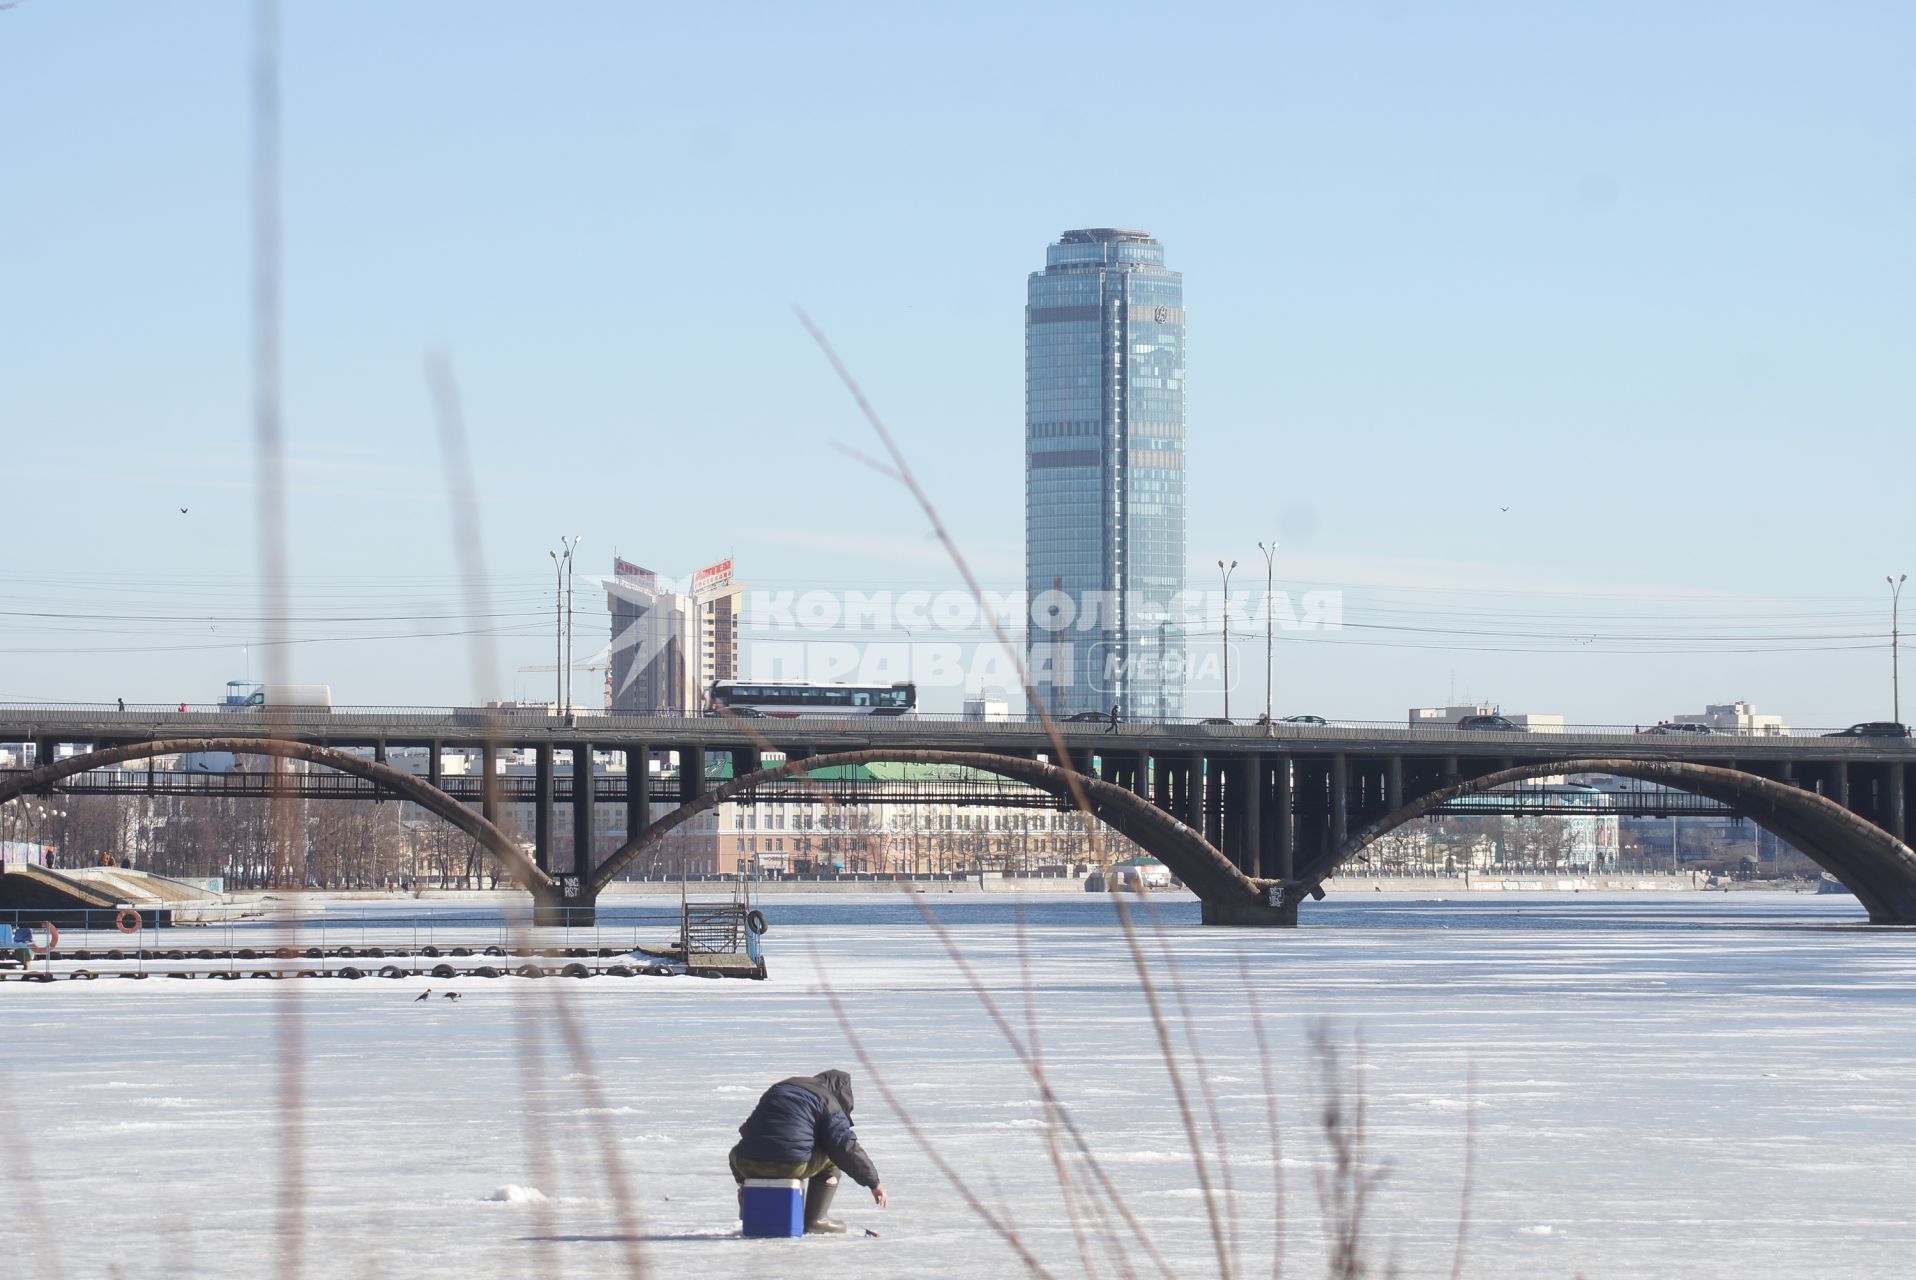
(744, 1167)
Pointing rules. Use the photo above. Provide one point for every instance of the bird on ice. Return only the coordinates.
(423, 995)
(452, 995)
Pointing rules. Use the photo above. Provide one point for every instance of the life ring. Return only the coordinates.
(755, 921)
(127, 921)
(53, 939)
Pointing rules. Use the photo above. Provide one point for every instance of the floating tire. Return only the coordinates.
(203, 955)
(81, 975)
(494, 950)
(429, 951)
(116, 954)
(187, 974)
(443, 971)
(343, 952)
(530, 971)
(229, 975)
(314, 953)
(376, 953)
(575, 971)
(755, 921)
(268, 974)
(247, 953)
(485, 971)
(351, 974)
(656, 971)
(391, 971)
(706, 973)
(284, 953)
(461, 951)
(127, 921)
(620, 971)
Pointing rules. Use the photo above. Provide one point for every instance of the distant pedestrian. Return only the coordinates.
(182, 706)
(1113, 726)
(123, 704)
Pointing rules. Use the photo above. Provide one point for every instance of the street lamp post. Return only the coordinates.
(1225, 573)
(1270, 556)
(577, 538)
(1895, 646)
(562, 622)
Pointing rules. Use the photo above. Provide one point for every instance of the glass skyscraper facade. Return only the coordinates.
(1104, 475)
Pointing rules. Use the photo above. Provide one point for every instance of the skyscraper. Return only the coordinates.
(1104, 474)
(670, 641)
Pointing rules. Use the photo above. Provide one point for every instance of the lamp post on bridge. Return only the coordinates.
(1226, 574)
(1270, 555)
(1895, 646)
(561, 611)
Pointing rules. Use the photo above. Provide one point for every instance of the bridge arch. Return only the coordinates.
(502, 847)
(1186, 852)
(1871, 863)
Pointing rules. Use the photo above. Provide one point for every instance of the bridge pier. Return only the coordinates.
(1248, 914)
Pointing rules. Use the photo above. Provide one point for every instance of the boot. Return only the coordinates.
(818, 1198)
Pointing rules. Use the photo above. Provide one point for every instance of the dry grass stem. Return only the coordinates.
(1002, 1229)
(1161, 1026)
(1268, 1082)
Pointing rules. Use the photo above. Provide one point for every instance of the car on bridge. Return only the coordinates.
(1303, 720)
(1872, 729)
(1087, 717)
(1496, 724)
(1683, 728)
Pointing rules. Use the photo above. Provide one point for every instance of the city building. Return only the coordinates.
(1736, 717)
(1447, 718)
(669, 645)
(1104, 475)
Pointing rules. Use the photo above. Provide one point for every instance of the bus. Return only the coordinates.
(790, 699)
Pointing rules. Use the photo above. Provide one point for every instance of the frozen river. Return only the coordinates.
(1665, 1085)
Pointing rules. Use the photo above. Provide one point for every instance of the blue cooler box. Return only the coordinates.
(772, 1207)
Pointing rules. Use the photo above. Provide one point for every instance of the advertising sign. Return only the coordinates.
(712, 577)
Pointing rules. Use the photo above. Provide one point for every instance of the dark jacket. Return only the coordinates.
(803, 1115)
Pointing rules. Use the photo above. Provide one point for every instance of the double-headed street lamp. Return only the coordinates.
(562, 621)
(1895, 644)
(1226, 573)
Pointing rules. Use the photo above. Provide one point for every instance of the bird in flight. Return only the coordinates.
(1503, 508)
(182, 510)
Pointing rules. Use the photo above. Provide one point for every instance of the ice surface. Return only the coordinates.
(1667, 1085)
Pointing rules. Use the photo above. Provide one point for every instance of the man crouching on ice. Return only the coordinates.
(802, 1128)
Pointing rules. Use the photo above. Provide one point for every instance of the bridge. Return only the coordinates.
(1253, 818)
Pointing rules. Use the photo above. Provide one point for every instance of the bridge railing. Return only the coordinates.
(463, 723)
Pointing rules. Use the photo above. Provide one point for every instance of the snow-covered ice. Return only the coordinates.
(1673, 1085)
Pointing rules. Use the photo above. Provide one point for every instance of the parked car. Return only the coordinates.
(1872, 729)
(1679, 727)
(1498, 724)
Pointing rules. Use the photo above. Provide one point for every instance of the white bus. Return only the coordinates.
(790, 699)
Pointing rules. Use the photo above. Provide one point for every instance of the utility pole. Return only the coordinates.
(1895, 646)
(1270, 555)
(1226, 574)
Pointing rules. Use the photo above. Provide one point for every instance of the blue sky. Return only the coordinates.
(1642, 273)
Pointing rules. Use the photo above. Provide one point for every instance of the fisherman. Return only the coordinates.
(802, 1128)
